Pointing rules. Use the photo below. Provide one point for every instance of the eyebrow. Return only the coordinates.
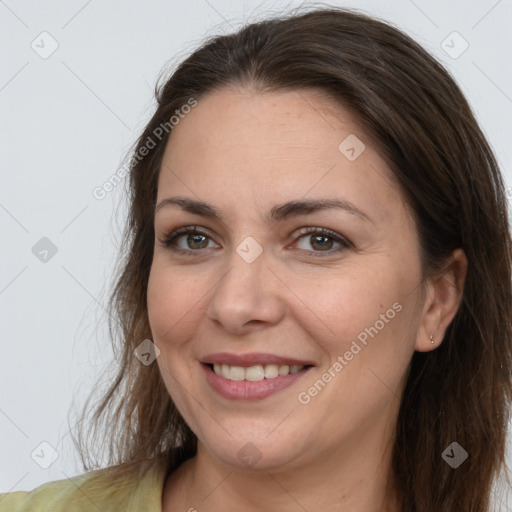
(276, 214)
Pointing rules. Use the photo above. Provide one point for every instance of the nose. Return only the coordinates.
(247, 297)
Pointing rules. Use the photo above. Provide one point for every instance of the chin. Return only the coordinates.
(250, 449)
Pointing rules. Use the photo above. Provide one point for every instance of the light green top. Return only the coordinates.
(91, 492)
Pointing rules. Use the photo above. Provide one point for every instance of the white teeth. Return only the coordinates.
(256, 372)
(271, 371)
(284, 370)
(237, 373)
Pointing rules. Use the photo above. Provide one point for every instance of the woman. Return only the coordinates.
(314, 309)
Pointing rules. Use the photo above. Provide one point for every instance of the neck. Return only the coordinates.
(352, 478)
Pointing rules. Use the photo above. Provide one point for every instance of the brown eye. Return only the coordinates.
(195, 240)
(322, 240)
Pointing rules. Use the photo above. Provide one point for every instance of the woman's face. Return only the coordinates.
(282, 344)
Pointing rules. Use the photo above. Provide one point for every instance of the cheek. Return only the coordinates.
(173, 307)
(368, 318)
(369, 330)
(173, 302)
(338, 309)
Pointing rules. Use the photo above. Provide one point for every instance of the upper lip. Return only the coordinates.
(252, 359)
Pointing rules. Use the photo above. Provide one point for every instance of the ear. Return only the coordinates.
(443, 298)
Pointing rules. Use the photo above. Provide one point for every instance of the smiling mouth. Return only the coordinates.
(254, 376)
(256, 372)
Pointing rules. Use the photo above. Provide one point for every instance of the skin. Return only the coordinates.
(244, 152)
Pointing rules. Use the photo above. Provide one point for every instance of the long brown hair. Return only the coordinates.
(424, 128)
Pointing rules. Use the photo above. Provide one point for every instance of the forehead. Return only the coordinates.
(290, 122)
(287, 144)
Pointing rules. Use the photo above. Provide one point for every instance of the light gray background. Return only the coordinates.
(66, 122)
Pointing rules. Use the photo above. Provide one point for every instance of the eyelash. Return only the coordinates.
(170, 239)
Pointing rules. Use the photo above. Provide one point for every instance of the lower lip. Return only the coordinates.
(249, 390)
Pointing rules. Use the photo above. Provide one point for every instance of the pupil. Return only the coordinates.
(196, 239)
(325, 242)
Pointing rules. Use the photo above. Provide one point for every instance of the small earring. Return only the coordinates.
(431, 339)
